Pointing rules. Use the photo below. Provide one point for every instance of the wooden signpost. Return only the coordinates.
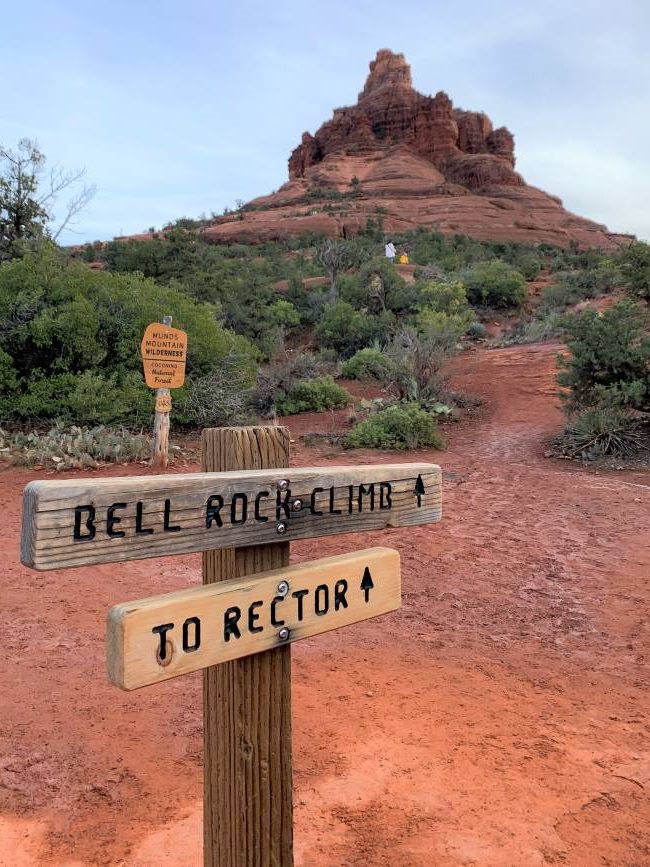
(241, 512)
(164, 353)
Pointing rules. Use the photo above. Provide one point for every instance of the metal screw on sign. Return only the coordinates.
(283, 588)
(296, 505)
(283, 633)
(283, 484)
(282, 529)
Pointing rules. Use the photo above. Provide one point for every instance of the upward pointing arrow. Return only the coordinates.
(419, 490)
(367, 584)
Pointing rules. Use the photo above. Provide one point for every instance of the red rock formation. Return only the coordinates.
(418, 161)
(387, 70)
(390, 112)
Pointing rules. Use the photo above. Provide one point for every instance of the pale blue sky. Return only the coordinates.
(177, 108)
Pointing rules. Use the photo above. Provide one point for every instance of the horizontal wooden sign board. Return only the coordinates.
(79, 522)
(153, 639)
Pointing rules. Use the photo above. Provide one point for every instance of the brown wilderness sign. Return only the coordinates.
(153, 639)
(164, 352)
(78, 522)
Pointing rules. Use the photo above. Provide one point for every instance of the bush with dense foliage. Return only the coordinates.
(529, 264)
(636, 270)
(399, 426)
(71, 341)
(444, 296)
(369, 364)
(236, 278)
(313, 395)
(607, 375)
(495, 284)
(277, 377)
(346, 330)
(562, 294)
(476, 330)
(446, 327)
(382, 288)
(609, 361)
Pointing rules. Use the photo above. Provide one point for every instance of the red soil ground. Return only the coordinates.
(500, 718)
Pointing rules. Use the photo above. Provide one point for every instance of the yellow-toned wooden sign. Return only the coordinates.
(164, 352)
(163, 403)
(153, 639)
(78, 522)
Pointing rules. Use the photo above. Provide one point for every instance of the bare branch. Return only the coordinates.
(75, 205)
(58, 181)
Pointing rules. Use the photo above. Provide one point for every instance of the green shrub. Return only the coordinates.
(277, 378)
(543, 327)
(380, 288)
(476, 330)
(347, 330)
(283, 314)
(636, 270)
(368, 364)
(604, 432)
(529, 264)
(571, 287)
(71, 340)
(560, 295)
(609, 361)
(447, 329)
(495, 284)
(445, 297)
(399, 426)
(87, 398)
(313, 395)
(608, 275)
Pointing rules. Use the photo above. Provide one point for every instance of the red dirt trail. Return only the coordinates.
(500, 718)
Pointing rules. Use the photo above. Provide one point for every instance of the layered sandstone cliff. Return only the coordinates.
(410, 160)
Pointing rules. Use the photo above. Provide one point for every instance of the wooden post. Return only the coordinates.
(160, 446)
(247, 702)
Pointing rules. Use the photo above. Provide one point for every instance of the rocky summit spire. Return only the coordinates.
(387, 70)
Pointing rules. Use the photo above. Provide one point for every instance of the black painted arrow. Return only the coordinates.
(367, 584)
(419, 490)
